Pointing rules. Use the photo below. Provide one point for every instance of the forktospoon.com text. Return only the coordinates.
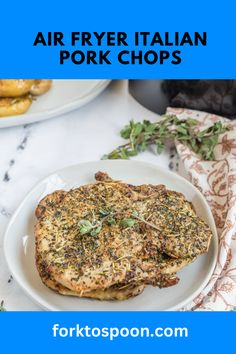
(114, 332)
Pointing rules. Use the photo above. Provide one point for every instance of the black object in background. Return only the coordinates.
(213, 96)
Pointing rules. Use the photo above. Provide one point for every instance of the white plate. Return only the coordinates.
(64, 96)
(19, 239)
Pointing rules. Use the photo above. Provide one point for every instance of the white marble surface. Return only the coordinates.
(29, 153)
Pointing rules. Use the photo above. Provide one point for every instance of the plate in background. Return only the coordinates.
(64, 96)
(19, 240)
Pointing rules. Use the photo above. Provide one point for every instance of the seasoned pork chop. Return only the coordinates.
(181, 233)
(109, 239)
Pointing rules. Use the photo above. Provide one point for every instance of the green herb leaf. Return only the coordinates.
(159, 147)
(182, 130)
(135, 214)
(96, 231)
(128, 222)
(137, 129)
(191, 122)
(111, 220)
(104, 212)
(85, 226)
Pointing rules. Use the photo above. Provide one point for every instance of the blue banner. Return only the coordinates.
(100, 39)
(106, 332)
(117, 40)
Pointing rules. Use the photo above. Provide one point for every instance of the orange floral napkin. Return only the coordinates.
(217, 182)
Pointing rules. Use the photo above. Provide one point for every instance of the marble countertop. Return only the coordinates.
(31, 152)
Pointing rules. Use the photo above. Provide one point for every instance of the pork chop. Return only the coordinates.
(110, 239)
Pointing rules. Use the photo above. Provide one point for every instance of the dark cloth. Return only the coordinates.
(213, 96)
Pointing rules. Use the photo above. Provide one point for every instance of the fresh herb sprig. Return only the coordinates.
(93, 228)
(141, 136)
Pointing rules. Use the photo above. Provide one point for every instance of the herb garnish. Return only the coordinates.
(93, 228)
(128, 222)
(142, 135)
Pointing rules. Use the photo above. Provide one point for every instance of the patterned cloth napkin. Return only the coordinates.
(217, 182)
